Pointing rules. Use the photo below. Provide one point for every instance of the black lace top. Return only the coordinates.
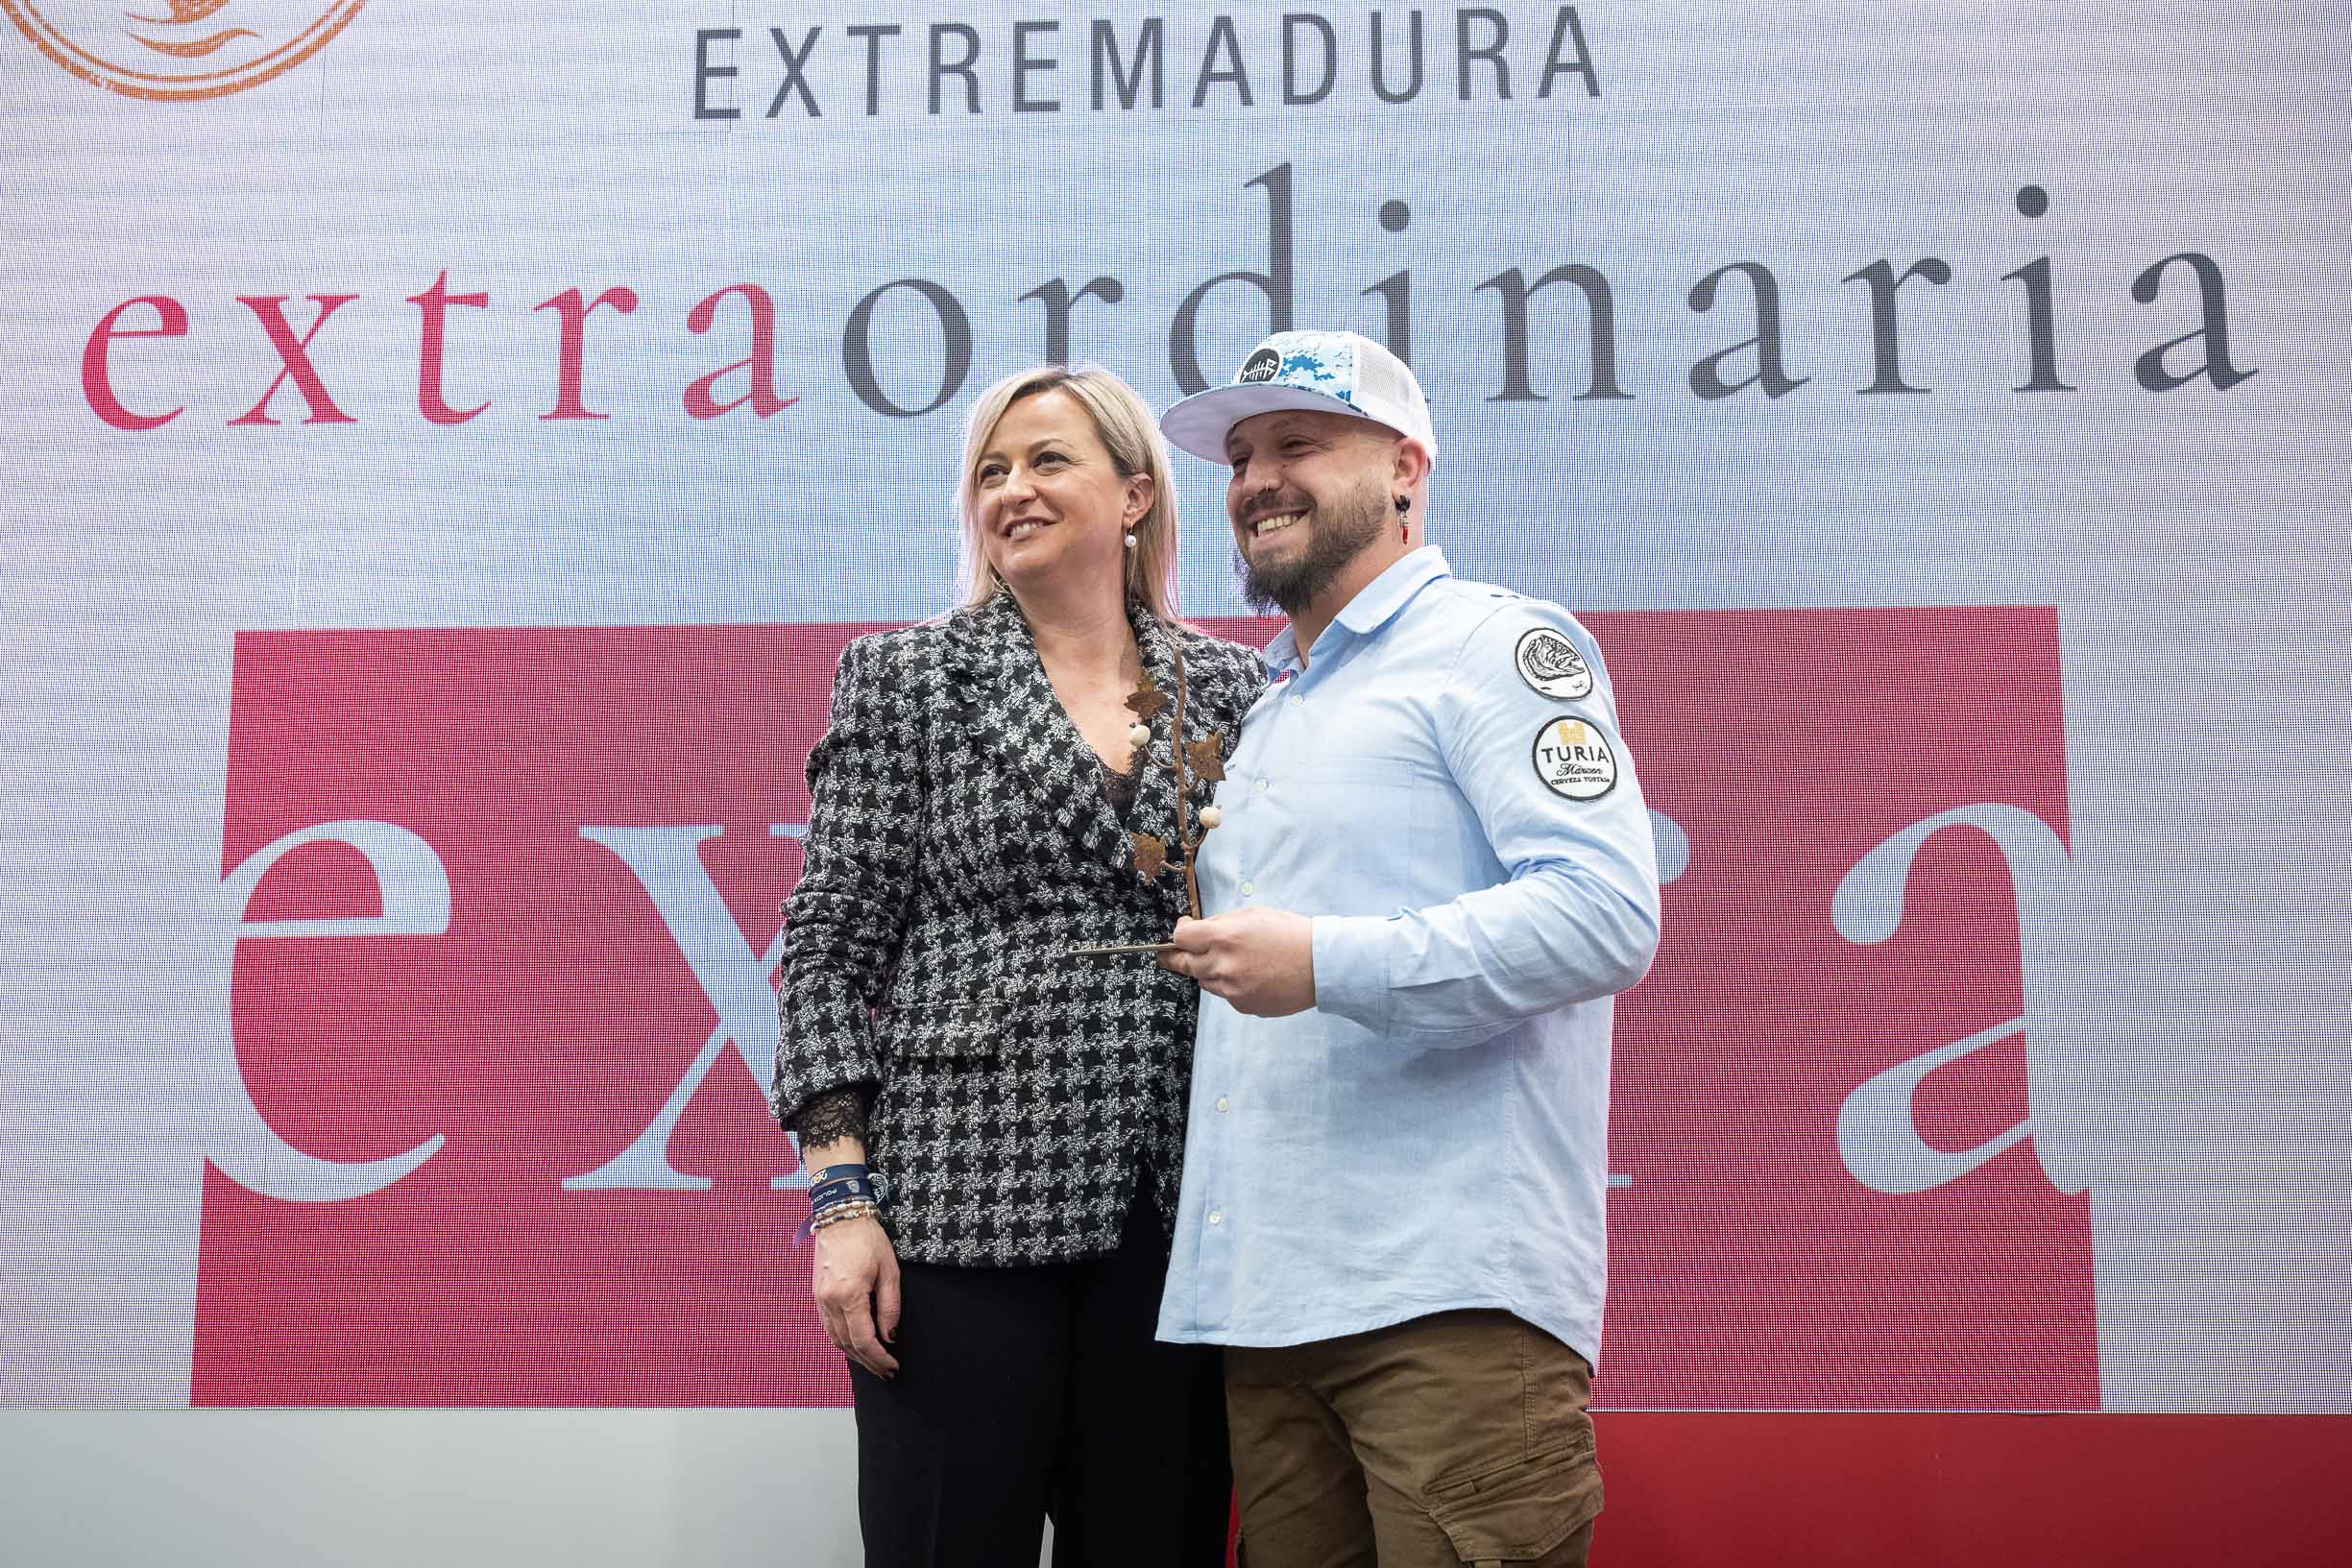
(1120, 786)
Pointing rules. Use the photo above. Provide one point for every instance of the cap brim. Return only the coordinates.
(1200, 423)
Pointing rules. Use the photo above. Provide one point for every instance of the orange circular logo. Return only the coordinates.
(195, 49)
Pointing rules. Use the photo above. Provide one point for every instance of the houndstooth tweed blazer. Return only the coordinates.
(959, 843)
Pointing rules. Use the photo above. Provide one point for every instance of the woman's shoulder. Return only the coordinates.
(1226, 657)
(1229, 675)
(912, 646)
(899, 667)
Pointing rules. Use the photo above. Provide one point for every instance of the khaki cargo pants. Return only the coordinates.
(1457, 1438)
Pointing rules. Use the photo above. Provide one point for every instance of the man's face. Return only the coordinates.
(1309, 493)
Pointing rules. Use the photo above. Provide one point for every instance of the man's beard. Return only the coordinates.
(1337, 536)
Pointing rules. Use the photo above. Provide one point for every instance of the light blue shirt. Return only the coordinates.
(1445, 792)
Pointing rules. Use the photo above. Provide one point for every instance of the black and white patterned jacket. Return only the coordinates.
(959, 843)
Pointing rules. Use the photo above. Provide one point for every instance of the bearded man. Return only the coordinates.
(1431, 873)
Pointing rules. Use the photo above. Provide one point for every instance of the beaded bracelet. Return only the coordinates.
(853, 1209)
(857, 1209)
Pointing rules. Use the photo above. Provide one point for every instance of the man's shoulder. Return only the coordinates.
(1470, 590)
(1467, 612)
(1477, 630)
(1493, 599)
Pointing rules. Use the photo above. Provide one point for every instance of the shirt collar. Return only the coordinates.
(1392, 590)
(1375, 605)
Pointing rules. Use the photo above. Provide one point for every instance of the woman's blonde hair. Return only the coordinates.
(1124, 423)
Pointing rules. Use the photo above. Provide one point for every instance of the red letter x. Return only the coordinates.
(293, 355)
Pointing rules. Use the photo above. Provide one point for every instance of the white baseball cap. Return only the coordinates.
(1333, 373)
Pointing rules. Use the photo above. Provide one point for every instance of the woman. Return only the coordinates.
(994, 1126)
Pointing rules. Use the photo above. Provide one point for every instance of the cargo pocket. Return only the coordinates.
(970, 1027)
(1516, 1513)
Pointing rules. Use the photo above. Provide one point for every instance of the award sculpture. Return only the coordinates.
(1152, 852)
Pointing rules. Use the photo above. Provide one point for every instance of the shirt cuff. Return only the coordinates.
(1352, 968)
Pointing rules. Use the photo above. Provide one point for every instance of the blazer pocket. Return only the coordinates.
(970, 1027)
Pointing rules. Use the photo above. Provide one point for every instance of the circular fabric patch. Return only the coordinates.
(1572, 760)
(1549, 661)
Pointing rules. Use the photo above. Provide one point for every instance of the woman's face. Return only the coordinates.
(1051, 507)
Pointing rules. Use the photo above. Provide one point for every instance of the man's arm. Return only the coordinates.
(1553, 786)
(1547, 775)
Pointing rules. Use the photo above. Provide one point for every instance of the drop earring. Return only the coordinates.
(1130, 539)
(1404, 521)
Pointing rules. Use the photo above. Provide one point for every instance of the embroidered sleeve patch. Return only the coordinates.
(1573, 760)
(1548, 661)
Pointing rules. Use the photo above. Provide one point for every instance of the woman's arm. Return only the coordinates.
(853, 1275)
(847, 919)
(845, 925)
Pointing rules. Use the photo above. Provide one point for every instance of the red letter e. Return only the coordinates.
(171, 321)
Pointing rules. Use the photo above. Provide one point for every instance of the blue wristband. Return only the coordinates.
(839, 1191)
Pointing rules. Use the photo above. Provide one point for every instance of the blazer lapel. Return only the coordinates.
(1155, 810)
(1052, 770)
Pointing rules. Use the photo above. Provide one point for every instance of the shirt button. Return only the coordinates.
(1298, 701)
(1259, 786)
(1248, 888)
(1223, 1103)
(1217, 1217)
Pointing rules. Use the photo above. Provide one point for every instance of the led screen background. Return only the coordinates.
(418, 611)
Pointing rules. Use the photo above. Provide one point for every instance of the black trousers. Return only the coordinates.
(1024, 1392)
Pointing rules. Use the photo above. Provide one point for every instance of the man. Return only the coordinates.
(1431, 871)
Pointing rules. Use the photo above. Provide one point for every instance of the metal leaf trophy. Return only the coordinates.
(1154, 853)
(1146, 701)
(1150, 854)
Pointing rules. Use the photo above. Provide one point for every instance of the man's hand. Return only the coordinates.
(1260, 960)
(855, 1280)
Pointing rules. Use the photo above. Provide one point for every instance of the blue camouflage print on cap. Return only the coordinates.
(1323, 362)
(1302, 369)
(1296, 366)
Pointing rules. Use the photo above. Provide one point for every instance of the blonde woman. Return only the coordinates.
(994, 1126)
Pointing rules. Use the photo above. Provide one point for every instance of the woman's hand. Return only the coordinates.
(855, 1281)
